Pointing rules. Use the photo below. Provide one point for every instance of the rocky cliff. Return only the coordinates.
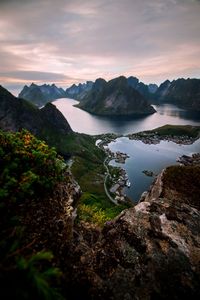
(40, 95)
(182, 92)
(79, 91)
(115, 97)
(146, 90)
(151, 251)
(38, 197)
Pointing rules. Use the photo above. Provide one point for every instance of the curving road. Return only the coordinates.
(105, 187)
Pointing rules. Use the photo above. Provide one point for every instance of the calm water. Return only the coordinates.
(84, 122)
(142, 156)
(148, 157)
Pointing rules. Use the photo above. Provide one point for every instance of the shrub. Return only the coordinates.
(29, 170)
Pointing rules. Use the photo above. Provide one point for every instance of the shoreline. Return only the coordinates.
(118, 182)
(121, 181)
(156, 139)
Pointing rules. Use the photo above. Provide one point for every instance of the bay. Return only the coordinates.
(142, 156)
(148, 157)
(84, 122)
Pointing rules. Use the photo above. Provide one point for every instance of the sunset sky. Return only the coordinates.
(71, 41)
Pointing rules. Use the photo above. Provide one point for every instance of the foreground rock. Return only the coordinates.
(151, 251)
(52, 225)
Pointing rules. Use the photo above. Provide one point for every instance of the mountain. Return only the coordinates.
(152, 88)
(40, 95)
(79, 91)
(182, 92)
(115, 97)
(144, 89)
(47, 123)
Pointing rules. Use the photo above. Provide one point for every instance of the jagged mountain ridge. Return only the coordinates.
(115, 97)
(79, 91)
(182, 92)
(146, 90)
(47, 123)
(40, 95)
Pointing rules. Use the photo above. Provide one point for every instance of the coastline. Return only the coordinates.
(119, 182)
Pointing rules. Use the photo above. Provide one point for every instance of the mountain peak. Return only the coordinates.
(115, 97)
(47, 123)
(40, 95)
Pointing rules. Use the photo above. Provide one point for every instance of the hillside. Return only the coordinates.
(115, 98)
(59, 243)
(47, 123)
(182, 92)
(40, 95)
(57, 255)
(37, 195)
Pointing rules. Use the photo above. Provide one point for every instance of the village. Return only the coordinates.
(153, 138)
(116, 179)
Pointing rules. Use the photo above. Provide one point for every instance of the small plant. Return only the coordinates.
(28, 166)
(29, 169)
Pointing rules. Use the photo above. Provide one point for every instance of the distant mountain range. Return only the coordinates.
(115, 97)
(146, 90)
(79, 91)
(40, 95)
(47, 123)
(182, 92)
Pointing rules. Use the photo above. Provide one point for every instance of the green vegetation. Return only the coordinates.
(23, 158)
(177, 130)
(29, 170)
(97, 209)
(88, 169)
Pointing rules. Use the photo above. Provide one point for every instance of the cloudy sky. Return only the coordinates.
(71, 41)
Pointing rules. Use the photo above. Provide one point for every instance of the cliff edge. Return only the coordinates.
(151, 251)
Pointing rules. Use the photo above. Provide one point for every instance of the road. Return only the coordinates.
(105, 187)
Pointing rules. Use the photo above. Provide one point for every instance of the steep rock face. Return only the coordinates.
(40, 95)
(54, 117)
(163, 89)
(182, 92)
(152, 88)
(151, 251)
(52, 225)
(47, 123)
(143, 89)
(115, 97)
(79, 91)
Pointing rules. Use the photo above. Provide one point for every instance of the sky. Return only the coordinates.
(71, 41)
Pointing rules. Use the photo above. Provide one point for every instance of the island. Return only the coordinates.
(115, 98)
